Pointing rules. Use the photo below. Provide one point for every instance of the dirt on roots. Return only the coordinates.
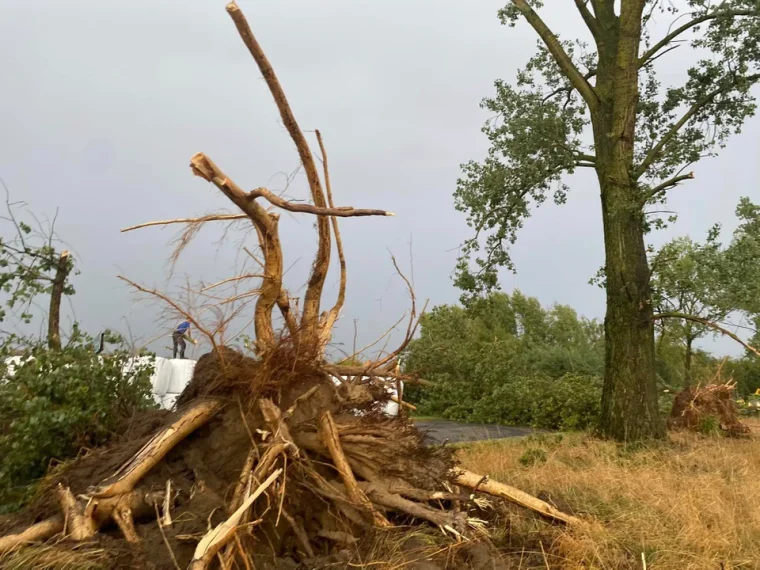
(205, 468)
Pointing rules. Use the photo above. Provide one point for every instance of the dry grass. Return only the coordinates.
(690, 504)
(55, 557)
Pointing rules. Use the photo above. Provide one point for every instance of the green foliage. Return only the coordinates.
(570, 402)
(505, 359)
(537, 135)
(55, 403)
(746, 373)
(532, 456)
(708, 281)
(709, 425)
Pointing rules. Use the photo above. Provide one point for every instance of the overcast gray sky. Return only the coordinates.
(104, 103)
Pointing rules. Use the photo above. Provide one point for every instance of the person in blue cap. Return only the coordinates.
(179, 335)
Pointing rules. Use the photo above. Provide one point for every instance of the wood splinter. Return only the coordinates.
(329, 433)
(220, 535)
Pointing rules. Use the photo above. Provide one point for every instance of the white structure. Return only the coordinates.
(171, 376)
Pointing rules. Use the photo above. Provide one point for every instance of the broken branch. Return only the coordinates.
(201, 220)
(340, 211)
(215, 539)
(125, 479)
(484, 484)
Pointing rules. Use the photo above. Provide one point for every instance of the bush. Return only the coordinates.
(55, 403)
(567, 403)
(532, 456)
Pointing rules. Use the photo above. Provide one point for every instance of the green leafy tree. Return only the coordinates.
(742, 267)
(687, 280)
(506, 359)
(643, 136)
(702, 285)
(31, 264)
(54, 403)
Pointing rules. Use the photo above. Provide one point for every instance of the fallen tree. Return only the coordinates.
(265, 456)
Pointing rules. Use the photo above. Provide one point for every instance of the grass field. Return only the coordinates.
(690, 504)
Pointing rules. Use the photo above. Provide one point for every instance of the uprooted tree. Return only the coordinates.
(266, 454)
(643, 138)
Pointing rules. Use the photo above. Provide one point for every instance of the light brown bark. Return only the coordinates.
(474, 481)
(35, 533)
(129, 474)
(329, 433)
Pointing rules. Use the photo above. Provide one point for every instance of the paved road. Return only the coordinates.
(443, 430)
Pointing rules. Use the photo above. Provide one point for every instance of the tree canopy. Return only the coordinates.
(506, 359)
(597, 102)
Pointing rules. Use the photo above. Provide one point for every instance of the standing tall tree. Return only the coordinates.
(604, 108)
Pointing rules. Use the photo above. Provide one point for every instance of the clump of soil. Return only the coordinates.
(698, 408)
(206, 466)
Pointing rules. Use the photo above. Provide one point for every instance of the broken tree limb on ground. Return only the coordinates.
(484, 484)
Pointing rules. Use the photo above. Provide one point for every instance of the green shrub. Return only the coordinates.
(55, 403)
(571, 402)
(709, 425)
(532, 456)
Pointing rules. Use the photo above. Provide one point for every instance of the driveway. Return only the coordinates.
(440, 431)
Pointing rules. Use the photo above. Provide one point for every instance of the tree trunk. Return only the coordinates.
(629, 397)
(687, 360)
(62, 271)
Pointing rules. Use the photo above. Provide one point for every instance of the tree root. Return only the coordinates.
(129, 474)
(35, 533)
(330, 438)
(217, 538)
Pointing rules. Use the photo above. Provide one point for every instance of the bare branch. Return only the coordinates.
(666, 185)
(333, 313)
(341, 211)
(269, 240)
(718, 13)
(709, 324)
(201, 220)
(310, 316)
(231, 280)
(174, 305)
(560, 55)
